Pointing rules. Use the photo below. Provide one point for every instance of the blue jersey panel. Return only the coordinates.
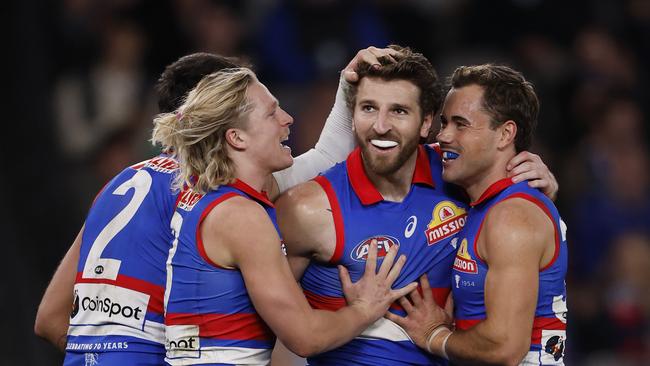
(423, 226)
(118, 293)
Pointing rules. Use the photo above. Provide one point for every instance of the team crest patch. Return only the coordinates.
(463, 261)
(188, 199)
(447, 219)
(384, 243)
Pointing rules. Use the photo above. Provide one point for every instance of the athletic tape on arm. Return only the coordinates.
(336, 141)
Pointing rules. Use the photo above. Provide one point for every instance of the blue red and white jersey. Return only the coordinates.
(468, 282)
(209, 316)
(118, 292)
(423, 225)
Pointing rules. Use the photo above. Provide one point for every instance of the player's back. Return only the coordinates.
(119, 289)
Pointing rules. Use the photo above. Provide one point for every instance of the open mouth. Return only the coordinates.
(449, 155)
(383, 144)
(283, 140)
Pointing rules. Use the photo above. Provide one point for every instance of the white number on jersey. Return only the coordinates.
(107, 268)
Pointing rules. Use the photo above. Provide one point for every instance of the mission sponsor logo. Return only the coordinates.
(188, 199)
(384, 243)
(447, 219)
(463, 261)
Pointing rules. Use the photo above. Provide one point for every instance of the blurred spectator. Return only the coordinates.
(610, 178)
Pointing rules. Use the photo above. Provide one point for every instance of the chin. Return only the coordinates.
(286, 163)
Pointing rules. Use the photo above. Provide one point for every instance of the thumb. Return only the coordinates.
(344, 275)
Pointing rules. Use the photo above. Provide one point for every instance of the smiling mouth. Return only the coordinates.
(449, 155)
(283, 140)
(383, 144)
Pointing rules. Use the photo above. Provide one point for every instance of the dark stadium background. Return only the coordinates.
(78, 105)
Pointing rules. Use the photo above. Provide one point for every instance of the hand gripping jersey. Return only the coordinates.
(118, 293)
(209, 316)
(423, 226)
(549, 327)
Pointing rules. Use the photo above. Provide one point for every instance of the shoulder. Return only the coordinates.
(516, 224)
(233, 207)
(303, 198)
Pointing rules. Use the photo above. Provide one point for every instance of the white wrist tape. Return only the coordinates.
(439, 329)
(336, 141)
(444, 346)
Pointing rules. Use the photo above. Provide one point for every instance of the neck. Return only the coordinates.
(396, 185)
(495, 173)
(251, 175)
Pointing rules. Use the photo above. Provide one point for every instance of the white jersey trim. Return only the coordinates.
(232, 355)
(385, 329)
(153, 331)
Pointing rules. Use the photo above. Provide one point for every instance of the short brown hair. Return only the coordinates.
(410, 66)
(506, 96)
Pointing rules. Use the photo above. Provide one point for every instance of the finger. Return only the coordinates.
(350, 76)
(520, 158)
(396, 269)
(399, 320)
(547, 187)
(449, 305)
(416, 297)
(388, 261)
(521, 168)
(426, 289)
(344, 276)
(529, 175)
(406, 304)
(397, 293)
(371, 260)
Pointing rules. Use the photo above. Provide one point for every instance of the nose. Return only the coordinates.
(285, 118)
(382, 125)
(444, 135)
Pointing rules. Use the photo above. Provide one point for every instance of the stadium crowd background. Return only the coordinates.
(79, 105)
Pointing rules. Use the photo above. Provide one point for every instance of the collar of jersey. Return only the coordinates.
(367, 192)
(494, 189)
(261, 197)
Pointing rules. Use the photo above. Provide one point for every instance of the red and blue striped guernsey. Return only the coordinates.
(468, 282)
(209, 316)
(118, 292)
(423, 225)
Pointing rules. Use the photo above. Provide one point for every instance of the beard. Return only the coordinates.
(387, 164)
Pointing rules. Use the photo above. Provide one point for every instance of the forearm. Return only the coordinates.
(53, 315)
(334, 144)
(322, 330)
(480, 346)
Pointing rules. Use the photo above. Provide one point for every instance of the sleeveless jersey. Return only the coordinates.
(209, 316)
(423, 225)
(468, 281)
(118, 292)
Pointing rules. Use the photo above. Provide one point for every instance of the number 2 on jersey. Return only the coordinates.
(107, 268)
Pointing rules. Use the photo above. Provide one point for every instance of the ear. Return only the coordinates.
(508, 134)
(236, 138)
(426, 125)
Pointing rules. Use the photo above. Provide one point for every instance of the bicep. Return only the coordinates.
(514, 239)
(307, 226)
(258, 255)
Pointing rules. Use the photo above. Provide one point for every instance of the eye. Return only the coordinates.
(367, 108)
(400, 111)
